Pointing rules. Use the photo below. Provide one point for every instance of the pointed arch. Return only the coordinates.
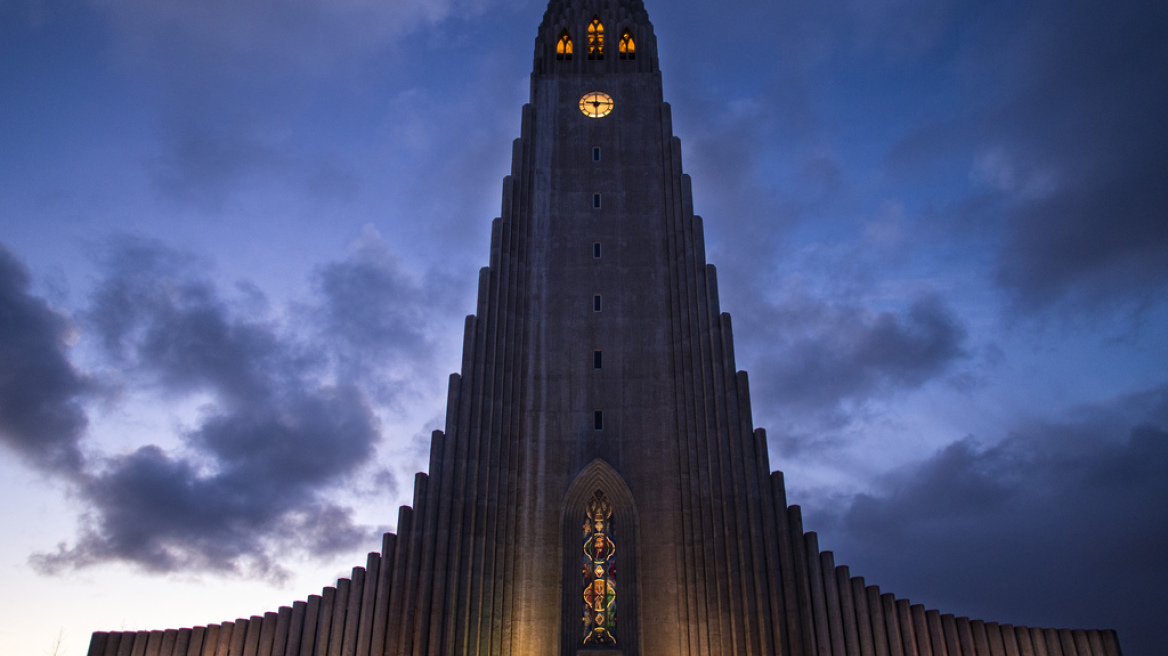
(599, 492)
(564, 46)
(627, 47)
(595, 39)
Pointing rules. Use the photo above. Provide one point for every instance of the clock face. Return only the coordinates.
(596, 104)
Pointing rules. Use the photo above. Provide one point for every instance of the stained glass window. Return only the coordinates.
(599, 574)
(626, 46)
(564, 46)
(595, 39)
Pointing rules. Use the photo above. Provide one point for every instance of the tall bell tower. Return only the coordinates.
(600, 488)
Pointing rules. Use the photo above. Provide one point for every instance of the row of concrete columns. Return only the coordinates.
(850, 618)
(348, 619)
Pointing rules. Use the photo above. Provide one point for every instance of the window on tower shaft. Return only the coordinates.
(626, 46)
(564, 47)
(595, 39)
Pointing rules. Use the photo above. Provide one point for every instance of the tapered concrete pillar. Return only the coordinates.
(283, 623)
(97, 643)
(324, 624)
(1025, 643)
(1082, 645)
(936, 633)
(908, 634)
(111, 644)
(251, 643)
(340, 613)
(353, 613)
(140, 642)
(1038, 639)
(169, 638)
(195, 644)
(863, 617)
(295, 629)
(308, 637)
(994, 636)
(267, 634)
(892, 625)
(965, 636)
(1096, 640)
(1009, 640)
(879, 626)
(921, 630)
(182, 642)
(1110, 644)
(952, 642)
(154, 643)
(843, 580)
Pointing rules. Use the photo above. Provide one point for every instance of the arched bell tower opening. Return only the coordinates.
(599, 576)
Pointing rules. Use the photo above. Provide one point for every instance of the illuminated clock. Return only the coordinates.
(596, 104)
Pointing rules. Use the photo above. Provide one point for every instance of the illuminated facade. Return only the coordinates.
(600, 488)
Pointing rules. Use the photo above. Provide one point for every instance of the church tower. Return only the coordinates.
(600, 488)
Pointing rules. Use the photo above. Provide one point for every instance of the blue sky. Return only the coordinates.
(237, 240)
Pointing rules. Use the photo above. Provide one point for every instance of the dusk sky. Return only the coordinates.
(238, 239)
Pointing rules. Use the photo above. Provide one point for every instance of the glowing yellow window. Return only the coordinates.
(626, 47)
(564, 47)
(595, 39)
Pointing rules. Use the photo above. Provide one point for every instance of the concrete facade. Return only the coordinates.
(598, 360)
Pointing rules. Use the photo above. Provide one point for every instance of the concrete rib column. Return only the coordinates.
(126, 642)
(936, 633)
(195, 644)
(154, 644)
(267, 634)
(694, 561)
(110, 647)
(908, 634)
(368, 601)
(782, 570)
(921, 630)
(210, 640)
(283, 626)
(879, 625)
(1068, 641)
(843, 580)
(892, 625)
(353, 612)
(251, 645)
(169, 638)
(863, 617)
(222, 646)
(981, 639)
(1053, 646)
(182, 641)
(835, 620)
(1110, 643)
(97, 643)
(1096, 641)
(965, 637)
(340, 612)
(1038, 641)
(377, 641)
(311, 626)
(1009, 640)
(138, 647)
(1082, 645)
(324, 621)
(1025, 643)
(818, 601)
(994, 636)
(238, 637)
(295, 630)
(800, 579)
(949, 628)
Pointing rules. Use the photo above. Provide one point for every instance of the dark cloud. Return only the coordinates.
(379, 320)
(1062, 523)
(826, 361)
(1090, 118)
(252, 477)
(42, 414)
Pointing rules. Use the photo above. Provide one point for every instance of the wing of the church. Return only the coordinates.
(600, 488)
